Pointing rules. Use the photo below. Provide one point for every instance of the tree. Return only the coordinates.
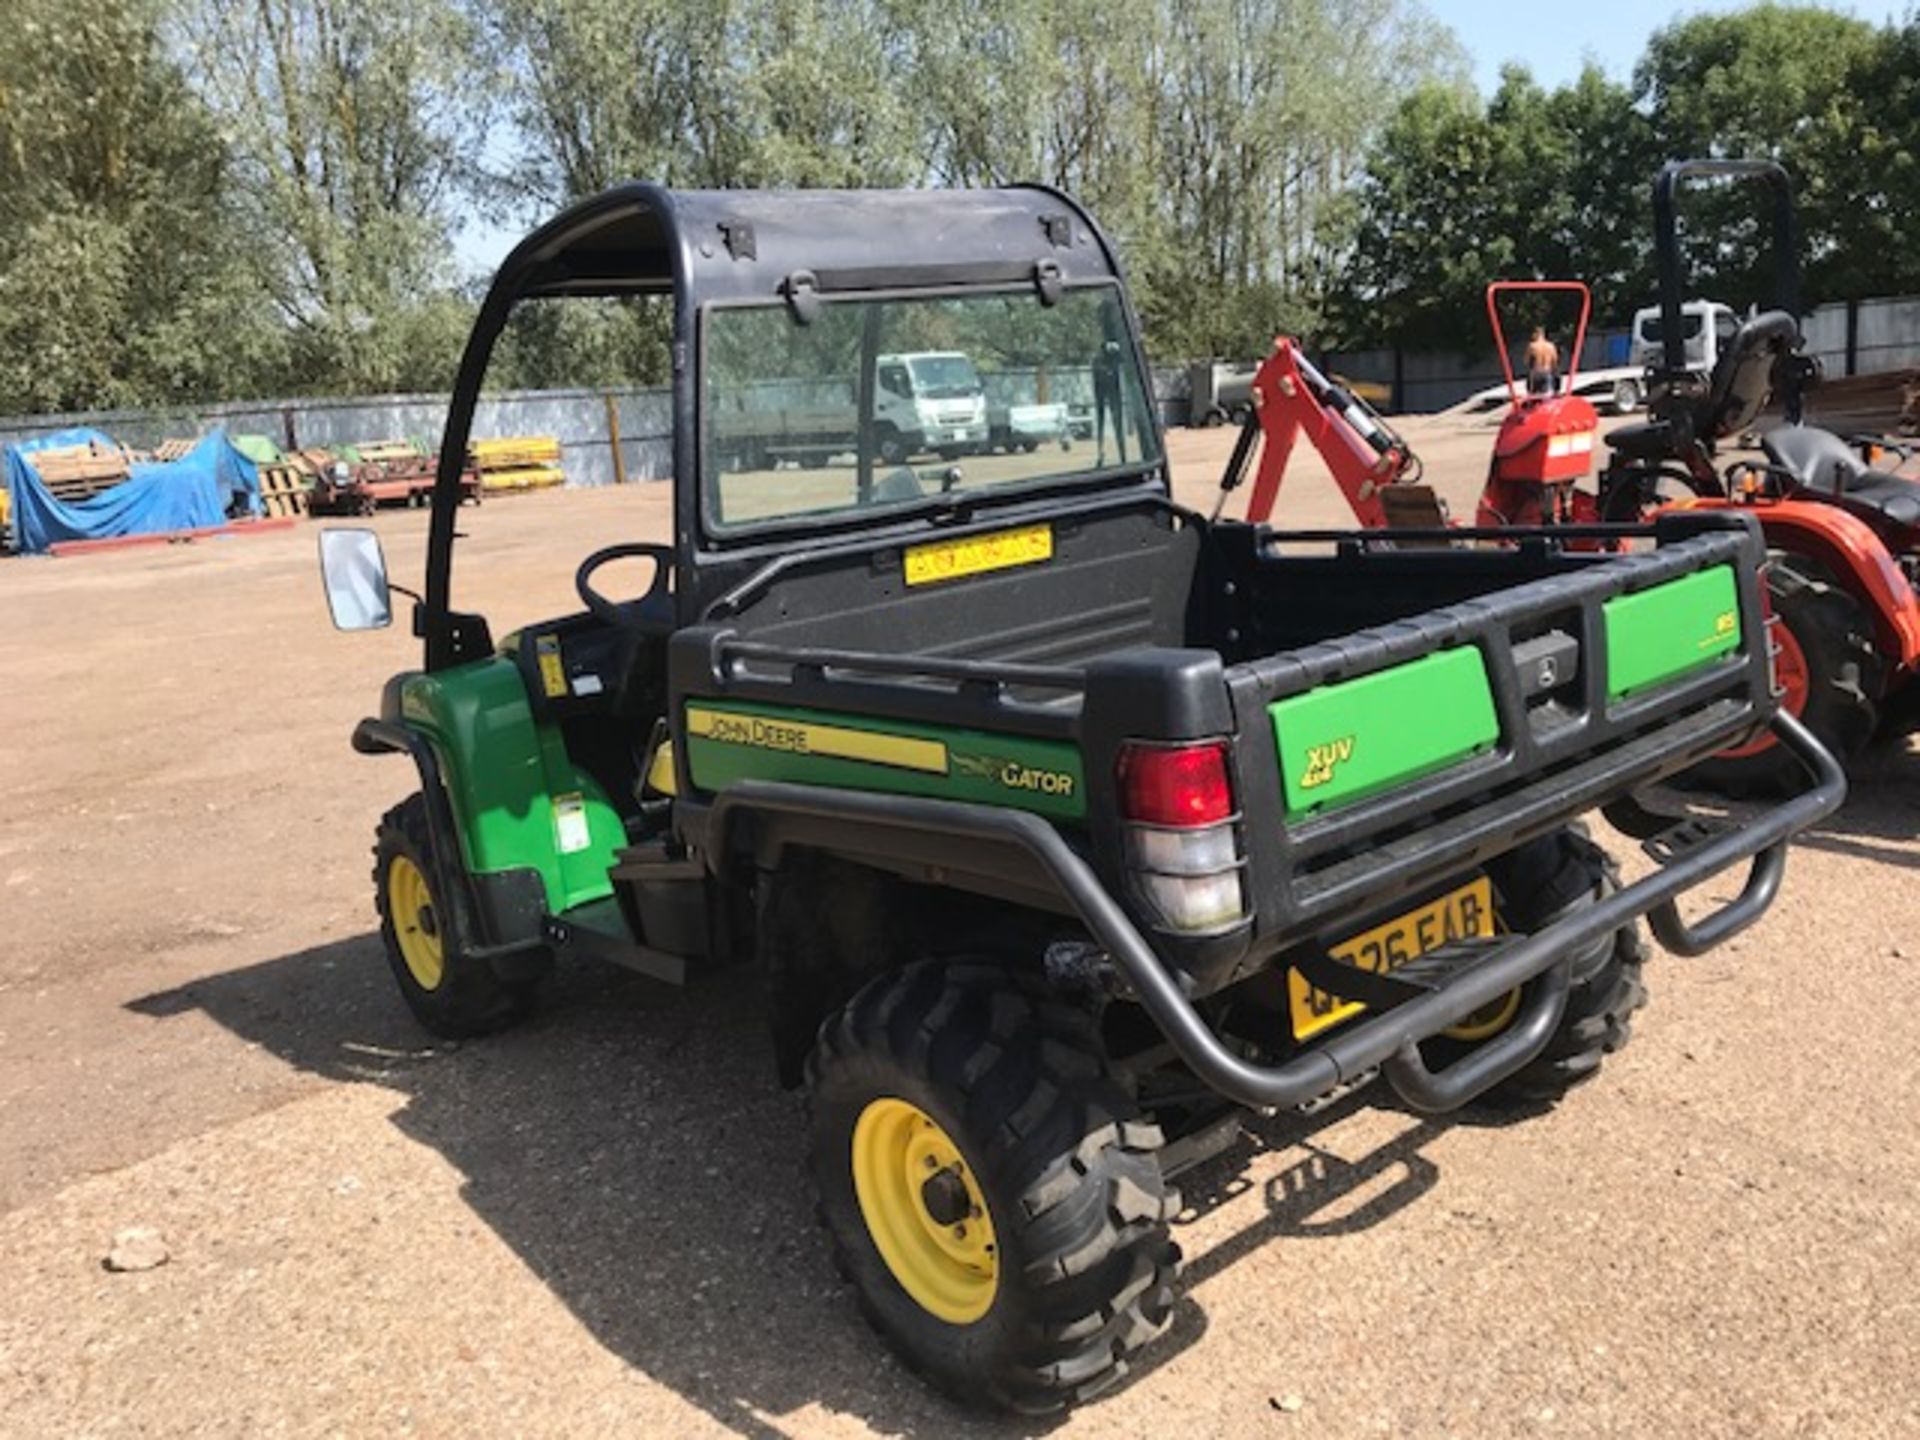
(353, 131)
(1789, 83)
(120, 282)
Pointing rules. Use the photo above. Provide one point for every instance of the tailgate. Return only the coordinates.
(1381, 762)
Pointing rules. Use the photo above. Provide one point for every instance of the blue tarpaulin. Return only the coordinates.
(209, 485)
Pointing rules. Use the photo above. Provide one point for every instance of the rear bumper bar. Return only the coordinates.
(1386, 1039)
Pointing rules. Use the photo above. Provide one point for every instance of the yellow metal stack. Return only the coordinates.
(518, 462)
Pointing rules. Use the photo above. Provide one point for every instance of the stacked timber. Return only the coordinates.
(80, 472)
(517, 462)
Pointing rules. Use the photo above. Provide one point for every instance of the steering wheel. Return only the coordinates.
(652, 612)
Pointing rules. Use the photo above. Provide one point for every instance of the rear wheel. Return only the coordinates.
(1829, 673)
(450, 992)
(1626, 396)
(1539, 883)
(989, 1186)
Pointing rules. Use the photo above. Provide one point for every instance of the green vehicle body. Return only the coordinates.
(1058, 824)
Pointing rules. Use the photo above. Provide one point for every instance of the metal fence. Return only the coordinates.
(1854, 338)
(584, 421)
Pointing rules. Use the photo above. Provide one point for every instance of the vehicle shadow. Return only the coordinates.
(1321, 1194)
(632, 1147)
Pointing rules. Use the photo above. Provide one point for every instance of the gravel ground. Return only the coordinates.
(597, 1221)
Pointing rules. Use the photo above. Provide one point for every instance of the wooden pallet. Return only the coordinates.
(284, 489)
(170, 450)
(79, 472)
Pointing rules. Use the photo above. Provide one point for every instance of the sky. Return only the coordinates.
(1555, 39)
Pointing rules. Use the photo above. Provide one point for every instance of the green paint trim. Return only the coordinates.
(1357, 737)
(518, 799)
(1661, 634)
(729, 741)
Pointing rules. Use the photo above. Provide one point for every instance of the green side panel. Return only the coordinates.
(1661, 633)
(1357, 737)
(518, 798)
(747, 741)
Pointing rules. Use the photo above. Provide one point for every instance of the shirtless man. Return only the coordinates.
(1543, 363)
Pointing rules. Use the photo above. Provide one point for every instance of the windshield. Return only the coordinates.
(1690, 325)
(816, 421)
(944, 377)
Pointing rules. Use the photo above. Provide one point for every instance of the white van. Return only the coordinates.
(1705, 326)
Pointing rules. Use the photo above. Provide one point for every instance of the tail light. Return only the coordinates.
(1181, 841)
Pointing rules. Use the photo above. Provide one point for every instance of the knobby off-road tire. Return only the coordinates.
(1844, 679)
(1539, 883)
(449, 992)
(1056, 1153)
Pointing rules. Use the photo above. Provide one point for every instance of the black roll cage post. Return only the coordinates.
(1667, 245)
(547, 263)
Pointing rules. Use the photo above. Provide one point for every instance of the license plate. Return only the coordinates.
(1465, 912)
(952, 559)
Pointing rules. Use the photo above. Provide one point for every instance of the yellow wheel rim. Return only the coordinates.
(925, 1212)
(1488, 1021)
(410, 904)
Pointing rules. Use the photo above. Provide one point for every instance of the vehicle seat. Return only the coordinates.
(1642, 440)
(1743, 378)
(1822, 462)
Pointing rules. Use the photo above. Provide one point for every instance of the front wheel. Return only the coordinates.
(1626, 396)
(989, 1186)
(451, 993)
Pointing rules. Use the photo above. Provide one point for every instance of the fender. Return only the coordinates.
(1857, 557)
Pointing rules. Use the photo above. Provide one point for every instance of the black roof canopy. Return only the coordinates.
(746, 245)
(642, 238)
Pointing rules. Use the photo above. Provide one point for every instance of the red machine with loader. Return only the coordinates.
(1544, 447)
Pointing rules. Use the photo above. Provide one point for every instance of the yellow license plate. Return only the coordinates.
(952, 559)
(1465, 912)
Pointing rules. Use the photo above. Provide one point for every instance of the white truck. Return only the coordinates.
(923, 401)
(1705, 325)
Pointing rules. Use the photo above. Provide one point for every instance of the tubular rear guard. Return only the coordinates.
(1848, 548)
(1028, 848)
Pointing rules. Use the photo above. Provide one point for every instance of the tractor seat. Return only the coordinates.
(1824, 463)
(1743, 378)
(1643, 440)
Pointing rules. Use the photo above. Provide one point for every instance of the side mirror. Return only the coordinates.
(354, 572)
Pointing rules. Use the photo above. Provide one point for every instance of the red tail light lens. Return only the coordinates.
(1183, 786)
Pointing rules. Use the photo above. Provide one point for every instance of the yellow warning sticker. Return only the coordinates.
(553, 675)
(954, 559)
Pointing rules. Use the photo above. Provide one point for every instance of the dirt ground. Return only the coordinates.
(596, 1224)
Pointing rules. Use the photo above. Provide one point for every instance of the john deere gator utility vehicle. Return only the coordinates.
(1061, 825)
